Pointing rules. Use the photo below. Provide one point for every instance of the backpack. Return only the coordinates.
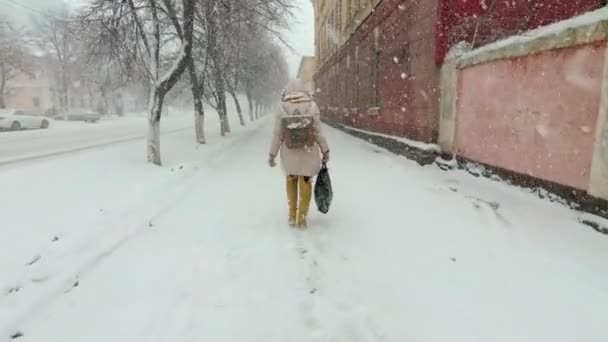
(298, 129)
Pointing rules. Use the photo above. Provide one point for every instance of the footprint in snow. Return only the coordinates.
(13, 289)
(494, 206)
(34, 260)
(356, 326)
(16, 335)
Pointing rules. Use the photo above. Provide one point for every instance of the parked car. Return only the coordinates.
(85, 115)
(15, 120)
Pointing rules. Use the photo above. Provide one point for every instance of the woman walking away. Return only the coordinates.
(298, 135)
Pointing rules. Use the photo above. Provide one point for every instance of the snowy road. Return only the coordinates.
(65, 137)
(200, 251)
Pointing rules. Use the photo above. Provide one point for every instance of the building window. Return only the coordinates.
(349, 11)
(36, 102)
(375, 98)
(348, 84)
(356, 76)
(339, 15)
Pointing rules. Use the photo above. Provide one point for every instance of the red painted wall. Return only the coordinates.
(407, 78)
(535, 115)
(497, 19)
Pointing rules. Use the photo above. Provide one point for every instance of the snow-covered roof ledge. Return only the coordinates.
(587, 28)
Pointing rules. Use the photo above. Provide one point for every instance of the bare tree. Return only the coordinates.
(229, 30)
(113, 71)
(54, 35)
(159, 34)
(197, 72)
(214, 13)
(267, 73)
(13, 56)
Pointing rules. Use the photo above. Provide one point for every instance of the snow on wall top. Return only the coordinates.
(518, 41)
(412, 143)
(482, 22)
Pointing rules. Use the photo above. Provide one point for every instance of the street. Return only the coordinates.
(63, 137)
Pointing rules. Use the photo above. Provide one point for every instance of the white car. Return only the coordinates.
(15, 120)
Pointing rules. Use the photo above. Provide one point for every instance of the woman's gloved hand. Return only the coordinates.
(271, 161)
(325, 157)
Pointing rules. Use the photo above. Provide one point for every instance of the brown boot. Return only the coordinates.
(305, 196)
(292, 198)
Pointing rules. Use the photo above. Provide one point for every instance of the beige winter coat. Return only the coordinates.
(299, 162)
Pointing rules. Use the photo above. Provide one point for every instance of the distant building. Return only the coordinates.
(30, 91)
(306, 71)
(38, 90)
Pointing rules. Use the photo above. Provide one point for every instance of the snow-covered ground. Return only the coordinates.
(99, 246)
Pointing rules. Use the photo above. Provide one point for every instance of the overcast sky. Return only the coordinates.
(300, 37)
(21, 10)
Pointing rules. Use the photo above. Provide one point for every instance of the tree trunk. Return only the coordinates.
(2, 85)
(222, 126)
(65, 85)
(154, 127)
(220, 98)
(226, 120)
(221, 112)
(104, 106)
(199, 122)
(239, 111)
(148, 94)
(199, 117)
(197, 93)
(119, 103)
(250, 102)
(161, 86)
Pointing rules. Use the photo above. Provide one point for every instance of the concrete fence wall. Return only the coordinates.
(533, 104)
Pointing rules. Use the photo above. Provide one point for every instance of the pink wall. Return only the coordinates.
(534, 115)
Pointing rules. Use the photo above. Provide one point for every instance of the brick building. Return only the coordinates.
(378, 61)
(307, 68)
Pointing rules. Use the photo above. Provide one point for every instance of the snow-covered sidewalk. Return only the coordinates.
(101, 247)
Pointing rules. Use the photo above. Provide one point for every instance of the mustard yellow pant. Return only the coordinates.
(299, 194)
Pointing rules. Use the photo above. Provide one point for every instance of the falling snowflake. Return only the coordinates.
(424, 94)
(403, 75)
(483, 4)
(396, 60)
